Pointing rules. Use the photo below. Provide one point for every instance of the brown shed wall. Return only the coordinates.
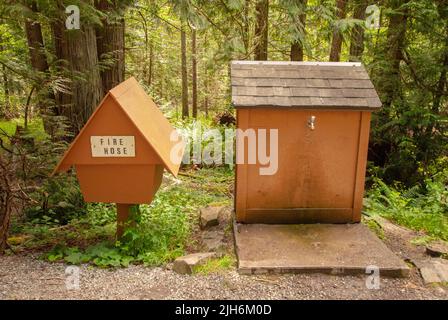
(321, 172)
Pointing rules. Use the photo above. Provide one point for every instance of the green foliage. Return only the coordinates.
(216, 265)
(422, 208)
(100, 214)
(102, 255)
(374, 226)
(156, 233)
(408, 141)
(35, 129)
(194, 130)
(59, 200)
(7, 127)
(409, 133)
(161, 229)
(421, 241)
(51, 200)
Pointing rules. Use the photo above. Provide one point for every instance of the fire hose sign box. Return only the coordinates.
(112, 146)
(120, 154)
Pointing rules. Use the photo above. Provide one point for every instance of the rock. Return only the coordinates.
(435, 271)
(186, 264)
(209, 216)
(225, 215)
(437, 248)
(213, 240)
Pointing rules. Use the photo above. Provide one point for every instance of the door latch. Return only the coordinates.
(312, 122)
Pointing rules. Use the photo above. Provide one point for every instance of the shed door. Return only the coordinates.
(316, 173)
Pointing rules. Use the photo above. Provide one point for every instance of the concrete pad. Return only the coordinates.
(434, 271)
(315, 248)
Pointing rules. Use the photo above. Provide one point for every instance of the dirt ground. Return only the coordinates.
(26, 277)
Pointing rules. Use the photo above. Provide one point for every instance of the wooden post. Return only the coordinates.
(123, 211)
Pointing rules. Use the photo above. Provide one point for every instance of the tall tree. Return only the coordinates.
(78, 50)
(442, 8)
(5, 80)
(336, 43)
(206, 93)
(110, 42)
(246, 26)
(39, 63)
(261, 30)
(6, 202)
(183, 40)
(35, 39)
(357, 34)
(385, 145)
(297, 46)
(194, 82)
(396, 39)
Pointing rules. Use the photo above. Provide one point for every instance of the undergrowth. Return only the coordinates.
(160, 232)
(216, 265)
(421, 208)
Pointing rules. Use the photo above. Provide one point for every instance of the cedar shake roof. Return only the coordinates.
(324, 85)
(143, 113)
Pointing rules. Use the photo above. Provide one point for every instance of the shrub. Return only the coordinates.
(59, 200)
(422, 207)
(157, 234)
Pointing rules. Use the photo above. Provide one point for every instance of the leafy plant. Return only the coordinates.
(216, 265)
(58, 201)
(156, 234)
(373, 225)
(422, 208)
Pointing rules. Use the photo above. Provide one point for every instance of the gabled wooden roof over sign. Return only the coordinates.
(126, 110)
(322, 85)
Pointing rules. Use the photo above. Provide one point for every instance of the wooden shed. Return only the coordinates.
(120, 154)
(322, 113)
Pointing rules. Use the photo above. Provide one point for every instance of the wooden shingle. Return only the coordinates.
(302, 84)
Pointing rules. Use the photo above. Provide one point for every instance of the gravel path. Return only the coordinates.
(24, 277)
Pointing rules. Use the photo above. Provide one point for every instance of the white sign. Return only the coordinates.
(112, 146)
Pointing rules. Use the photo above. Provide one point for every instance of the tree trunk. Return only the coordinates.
(206, 101)
(297, 46)
(442, 83)
(5, 111)
(206, 92)
(194, 82)
(206, 78)
(79, 49)
(6, 197)
(110, 43)
(6, 108)
(183, 37)
(261, 30)
(35, 41)
(396, 35)
(57, 29)
(151, 62)
(246, 27)
(357, 35)
(39, 63)
(336, 44)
